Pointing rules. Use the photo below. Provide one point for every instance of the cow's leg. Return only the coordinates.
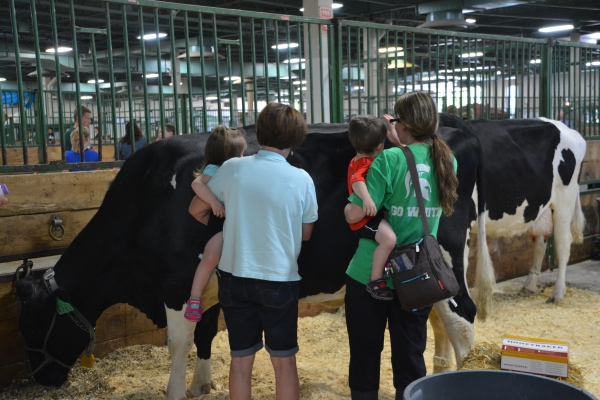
(461, 332)
(181, 336)
(533, 279)
(562, 239)
(204, 334)
(442, 358)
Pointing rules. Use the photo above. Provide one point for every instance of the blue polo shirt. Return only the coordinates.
(266, 200)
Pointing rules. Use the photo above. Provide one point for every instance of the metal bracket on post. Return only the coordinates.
(56, 225)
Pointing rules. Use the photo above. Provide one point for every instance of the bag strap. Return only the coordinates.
(414, 175)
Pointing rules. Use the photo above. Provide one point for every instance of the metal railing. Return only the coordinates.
(194, 67)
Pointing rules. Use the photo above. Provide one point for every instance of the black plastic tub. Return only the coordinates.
(491, 385)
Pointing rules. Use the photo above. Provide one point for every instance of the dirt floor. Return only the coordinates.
(141, 372)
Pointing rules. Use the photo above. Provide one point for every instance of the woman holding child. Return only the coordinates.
(389, 186)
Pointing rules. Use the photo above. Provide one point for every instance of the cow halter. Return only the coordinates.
(78, 318)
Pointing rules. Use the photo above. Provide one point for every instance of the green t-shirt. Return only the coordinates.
(390, 186)
(68, 145)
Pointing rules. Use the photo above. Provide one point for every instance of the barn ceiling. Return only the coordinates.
(521, 18)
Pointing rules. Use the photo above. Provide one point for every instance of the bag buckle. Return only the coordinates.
(425, 277)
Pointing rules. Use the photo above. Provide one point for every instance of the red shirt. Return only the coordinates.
(357, 172)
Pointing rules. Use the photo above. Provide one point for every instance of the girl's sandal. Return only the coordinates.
(193, 311)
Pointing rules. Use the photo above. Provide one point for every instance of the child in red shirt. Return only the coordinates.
(367, 135)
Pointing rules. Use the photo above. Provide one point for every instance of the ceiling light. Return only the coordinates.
(595, 35)
(299, 82)
(180, 83)
(302, 9)
(294, 60)
(86, 97)
(556, 28)
(536, 61)
(498, 72)
(358, 87)
(337, 5)
(94, 81)
(478, 54)
(232, 78)
(470, 20)
(152, 36)
(62, 49)
(212, 98)
(303, 88)
(594, 63)
(2, 79)
(284, 46)
(389, 49)
(150, 76)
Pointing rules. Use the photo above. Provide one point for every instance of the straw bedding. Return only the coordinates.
(142, 372)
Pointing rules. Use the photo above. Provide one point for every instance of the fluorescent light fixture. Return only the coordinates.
(94, 81)
(595, 35)
(358, 87)
(284, 46)
(337, 5)
(567, 103)
(302, 9)
(299, 83)
(390, 49)
(498, 72)
(180, 83)
(232, 78)
(536, 61)
(61, 49)
(303, 88)
(478, 54)
(470, 20)
(212, 98)
(594, 63)
(150, 76)
(556, 28)
(2, 79)
(86, 97)
(294, 60)
(429, 78)
(152, 36)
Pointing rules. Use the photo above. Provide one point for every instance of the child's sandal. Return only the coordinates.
(380, 290)
(193, 311)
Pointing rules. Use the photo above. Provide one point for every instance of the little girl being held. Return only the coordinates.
(221, 145)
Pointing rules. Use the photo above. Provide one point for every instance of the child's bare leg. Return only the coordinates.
(386, 240)
(210, 259)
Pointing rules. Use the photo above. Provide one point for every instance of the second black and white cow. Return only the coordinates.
(531, 187)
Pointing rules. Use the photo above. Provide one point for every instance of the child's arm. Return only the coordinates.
(204, 193)
(360, 188)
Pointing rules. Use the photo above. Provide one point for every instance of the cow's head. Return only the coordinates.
(53, 341)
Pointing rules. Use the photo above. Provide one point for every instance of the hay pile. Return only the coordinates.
(142, 372)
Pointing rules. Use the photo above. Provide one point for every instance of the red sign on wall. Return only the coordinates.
(325, 12)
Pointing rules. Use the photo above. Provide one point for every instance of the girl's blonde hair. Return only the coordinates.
(222, 144)
(75, 138)
(418, 113)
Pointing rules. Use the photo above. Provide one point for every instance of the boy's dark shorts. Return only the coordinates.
(253, 306)
(370, 229)
(214, 226)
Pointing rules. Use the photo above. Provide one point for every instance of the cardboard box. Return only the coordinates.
(536, 356)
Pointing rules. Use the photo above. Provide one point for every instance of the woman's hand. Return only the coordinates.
(392, 135)
(218, 209)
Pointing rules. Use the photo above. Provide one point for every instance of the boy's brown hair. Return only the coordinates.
(280, 126)
(366, 132)
(84, 110)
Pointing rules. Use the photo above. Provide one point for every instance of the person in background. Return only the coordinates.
(389, 184)
(86, 117)
(124, 146)
(51, 139)
(561, 118)
(169, 132)
(73, 156)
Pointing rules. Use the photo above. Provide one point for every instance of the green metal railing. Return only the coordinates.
(194, 67)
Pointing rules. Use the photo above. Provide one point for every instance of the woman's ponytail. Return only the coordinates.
(445, 177)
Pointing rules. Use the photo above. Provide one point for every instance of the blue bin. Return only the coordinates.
(492, 385)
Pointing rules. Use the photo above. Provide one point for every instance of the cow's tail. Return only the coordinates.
(485, 280)
(578, 222)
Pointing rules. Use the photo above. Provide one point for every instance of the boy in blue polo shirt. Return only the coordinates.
(271, 207)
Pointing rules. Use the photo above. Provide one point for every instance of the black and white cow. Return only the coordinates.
(150, 246)
(531, 187)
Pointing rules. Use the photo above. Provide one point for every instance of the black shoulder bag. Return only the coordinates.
(420, 273)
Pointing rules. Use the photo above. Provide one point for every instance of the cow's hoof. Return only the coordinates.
(528, 291)
(204, 389)
(554, 299)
